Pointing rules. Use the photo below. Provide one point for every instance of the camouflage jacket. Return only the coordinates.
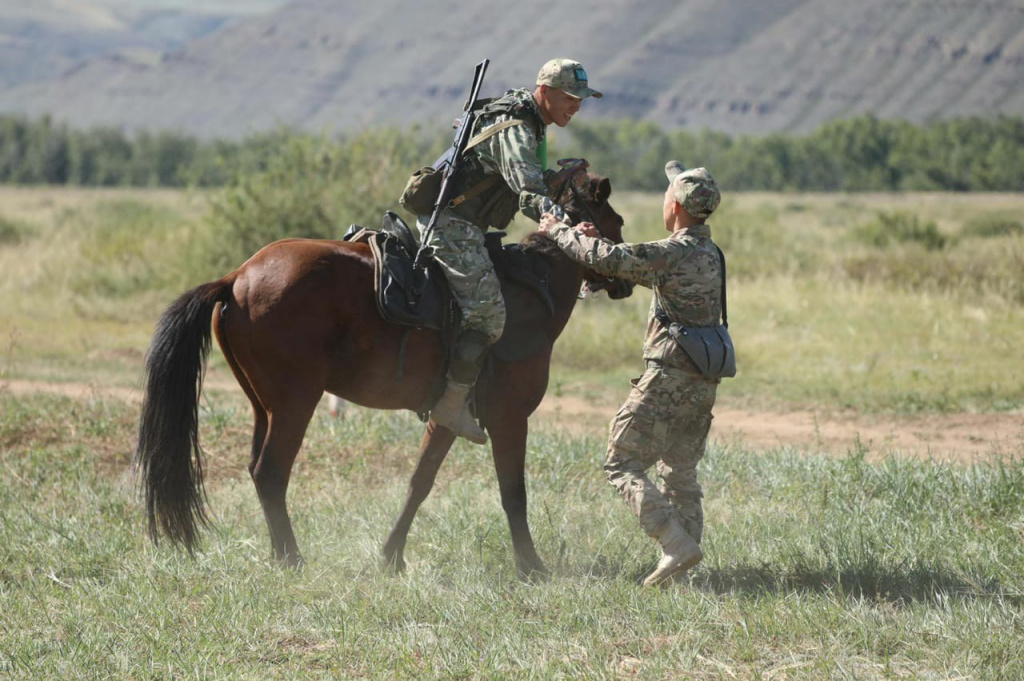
(511, 153)
(684, 270)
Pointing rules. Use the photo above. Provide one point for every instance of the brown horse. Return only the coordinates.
(299, 318)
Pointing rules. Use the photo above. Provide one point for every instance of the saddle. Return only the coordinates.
(421, 299)
(404, 295)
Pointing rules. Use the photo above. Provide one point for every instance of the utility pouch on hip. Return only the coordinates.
(710, 348)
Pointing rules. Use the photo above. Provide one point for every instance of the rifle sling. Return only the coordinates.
(476, 190)
(491, 180)
(493, 130)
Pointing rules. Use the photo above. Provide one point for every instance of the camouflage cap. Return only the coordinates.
(568, 76)
(694, 189)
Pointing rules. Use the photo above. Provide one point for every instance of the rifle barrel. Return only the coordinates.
(462, 136)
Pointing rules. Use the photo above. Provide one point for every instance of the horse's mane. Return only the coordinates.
(536, 242)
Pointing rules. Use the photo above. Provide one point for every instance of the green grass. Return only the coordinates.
(815, 566)
(821, 317)
(13, 232)
(820, 314)
(900, 228)
(994, 225)
(850, 566)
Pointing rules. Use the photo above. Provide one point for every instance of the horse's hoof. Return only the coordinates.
(534, 574)
(291, 561)
(394, 564)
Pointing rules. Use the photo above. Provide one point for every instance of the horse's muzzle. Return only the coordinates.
(617, 288)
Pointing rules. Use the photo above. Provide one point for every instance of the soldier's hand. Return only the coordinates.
(573, 163)
(588, 229)
(548, 222)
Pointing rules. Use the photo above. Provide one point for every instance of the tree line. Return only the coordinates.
(863, 153)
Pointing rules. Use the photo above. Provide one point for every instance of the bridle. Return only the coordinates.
(577, 199)
(597, 283)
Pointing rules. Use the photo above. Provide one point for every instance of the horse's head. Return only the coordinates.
(585, 199)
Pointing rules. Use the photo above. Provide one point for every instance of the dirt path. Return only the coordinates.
(947, 437)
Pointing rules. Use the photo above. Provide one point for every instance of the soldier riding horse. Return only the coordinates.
(299, 318)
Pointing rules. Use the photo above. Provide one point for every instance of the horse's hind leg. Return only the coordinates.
(271, 478)
(259, 414)
(433, 449)
(272, 471)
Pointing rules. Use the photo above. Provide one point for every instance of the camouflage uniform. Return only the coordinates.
(458, 247)
(458, 238)
(500, 173)
(667, 416)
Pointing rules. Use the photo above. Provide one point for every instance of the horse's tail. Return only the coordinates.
(169, 461)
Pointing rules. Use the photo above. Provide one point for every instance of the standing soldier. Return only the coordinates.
(502, 172)
(666, 419)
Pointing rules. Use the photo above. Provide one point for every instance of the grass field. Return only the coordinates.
(825, 314)
(815, 566)
(836, 566)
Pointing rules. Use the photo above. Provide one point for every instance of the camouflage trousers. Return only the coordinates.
(459, 249)
(665, 421)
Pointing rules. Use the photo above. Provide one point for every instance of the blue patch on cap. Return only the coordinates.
(581, 75)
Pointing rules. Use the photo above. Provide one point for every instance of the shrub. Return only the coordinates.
(897, 228)
(311, 187)
(13, 232)
(124, 247)
(987, 269)
(10, 232)
(987, 226)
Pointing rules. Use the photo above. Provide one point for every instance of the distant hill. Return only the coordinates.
(41, 39)
(734, 65)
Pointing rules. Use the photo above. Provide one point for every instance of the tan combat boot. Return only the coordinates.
(452, 412)
(679, 553)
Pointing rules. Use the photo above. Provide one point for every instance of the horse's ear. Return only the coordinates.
(602, 188)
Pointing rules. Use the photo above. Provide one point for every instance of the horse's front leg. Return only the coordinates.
(508, 446)
(434, 448)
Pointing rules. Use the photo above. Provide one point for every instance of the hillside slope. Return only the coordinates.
(42, 39)
(734, 65)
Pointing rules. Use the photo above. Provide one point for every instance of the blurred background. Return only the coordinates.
(773, 94)
(870, 153)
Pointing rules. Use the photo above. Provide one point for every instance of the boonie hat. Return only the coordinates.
(567, 75)
(694, 189)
